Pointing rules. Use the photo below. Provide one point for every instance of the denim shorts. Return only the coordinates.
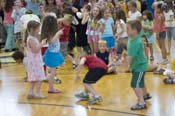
(110, 41)
(170, 33)
(162, 35)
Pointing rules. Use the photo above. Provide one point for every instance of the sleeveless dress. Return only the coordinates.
(52, 57)
(35, 69)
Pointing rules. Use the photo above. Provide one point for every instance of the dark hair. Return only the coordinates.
(8, 5)
(161, 6)
(32, 25)
(29, 11)
(135, 24)
(148, 15)
(133, 3)
(120, 14)
(146, 39)
(18, 55)
(68, 10)
(49, 27)
(47, 3)
(88, 7)
(169, 5)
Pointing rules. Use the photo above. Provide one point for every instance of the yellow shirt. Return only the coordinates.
(138, 5)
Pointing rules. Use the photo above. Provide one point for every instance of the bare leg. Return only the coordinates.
(91, 90)
(95, 47)
(139, 94)
(38, 88)
(151, 49)
(32, 85)
(51, 78)
(169, 46)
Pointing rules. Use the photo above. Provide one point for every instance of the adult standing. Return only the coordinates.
(9, 26)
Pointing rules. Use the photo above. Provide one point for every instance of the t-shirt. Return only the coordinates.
(121, 26)
(17, 15)
(7, 17)
(148, 23)
(64, 36)
(168, 16)
(108, 29)
(103, 56)
(94, 62)
(28, 17)
(136, 51)
(134, 16)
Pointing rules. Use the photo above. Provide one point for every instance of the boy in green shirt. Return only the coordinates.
(137, 63)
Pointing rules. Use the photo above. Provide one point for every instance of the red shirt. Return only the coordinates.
(155, 28)
(64, 36)
(94, 62)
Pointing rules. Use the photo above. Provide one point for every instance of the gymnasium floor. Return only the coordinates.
(115, 90)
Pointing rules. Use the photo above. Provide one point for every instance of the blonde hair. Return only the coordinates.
(102, 42)
(68, 17)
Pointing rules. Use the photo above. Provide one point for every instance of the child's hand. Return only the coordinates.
(43, 42)
(60, 32)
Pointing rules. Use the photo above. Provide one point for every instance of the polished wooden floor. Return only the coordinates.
(115, 90)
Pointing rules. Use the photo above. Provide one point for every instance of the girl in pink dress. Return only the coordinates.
(35, 69)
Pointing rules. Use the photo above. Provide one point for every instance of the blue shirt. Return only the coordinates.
(108, 29)
(33, 6)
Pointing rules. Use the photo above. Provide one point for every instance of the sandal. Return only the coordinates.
(74, 66)
(54, 91)
(30, 96)
(38, 96)
(139, 107)
(169, 80)
(160, 71)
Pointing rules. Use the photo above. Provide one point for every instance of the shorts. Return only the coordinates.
(162, 35)
(93, 39)
(63, 48)
(137, 79)
(150, 39)
(170, 33)
(18, 36)
(93, 75)
(110, 41)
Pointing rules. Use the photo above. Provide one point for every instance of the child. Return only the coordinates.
(97, 69)
(64, 23)
(147, 25)
(120, 31)
(133, 13)
(82, 18)
(52, 57)
(137, 63)
(160, 30)
(92, 31)
(104, 55)
(169, 23)
(106, 25)
(35, 69)
(18, 11)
